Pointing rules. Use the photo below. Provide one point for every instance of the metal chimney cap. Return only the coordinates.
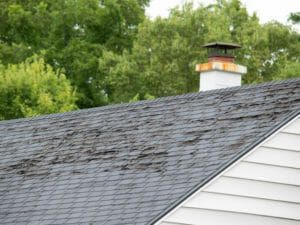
(222, 45)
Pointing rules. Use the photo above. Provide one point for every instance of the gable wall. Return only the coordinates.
(263, 188)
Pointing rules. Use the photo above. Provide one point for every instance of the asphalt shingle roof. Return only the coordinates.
(125, 164)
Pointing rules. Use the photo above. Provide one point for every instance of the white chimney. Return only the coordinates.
(220, 71)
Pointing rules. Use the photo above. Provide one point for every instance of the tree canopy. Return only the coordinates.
(33, 88)
(72, 33)
(295, 17)
(110, 52)
(162, 60)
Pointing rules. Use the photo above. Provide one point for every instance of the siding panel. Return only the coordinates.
(285, 141)
(262, 172)
(294, 127)
(209, 217)
(257, 189)
(275, 157)
(167, 223)
(239, 204)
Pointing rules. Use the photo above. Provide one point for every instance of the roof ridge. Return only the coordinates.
(160, 99)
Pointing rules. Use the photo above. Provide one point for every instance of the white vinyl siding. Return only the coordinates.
(187, 216)
(256, 189)
(262, 172)
(262, 188)
(276, 157)
(286, 141)
(241, 204)
(166, 223)
(293, 128)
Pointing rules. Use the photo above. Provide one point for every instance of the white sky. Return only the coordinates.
(266, 10)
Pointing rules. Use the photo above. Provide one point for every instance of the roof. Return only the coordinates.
(129, 163)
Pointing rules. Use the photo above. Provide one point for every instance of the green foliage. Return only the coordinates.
(33, 88)
(165, 52)
(295, 17)
(289, 70)
(72, 33)
(137, 97)
(111, 53)
(122, 82)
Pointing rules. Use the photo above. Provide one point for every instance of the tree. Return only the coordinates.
(111, 53)
(165, 52)
(73, 34)
(289, 70)
(33, 88)
(295, 17)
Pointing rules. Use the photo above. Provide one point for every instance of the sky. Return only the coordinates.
(267, 10)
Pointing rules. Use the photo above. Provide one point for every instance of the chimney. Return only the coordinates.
(220, 71)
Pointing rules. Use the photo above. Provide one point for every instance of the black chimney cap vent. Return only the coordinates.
(221, 49)
(222, 45)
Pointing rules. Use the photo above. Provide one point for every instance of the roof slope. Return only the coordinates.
(125, 164)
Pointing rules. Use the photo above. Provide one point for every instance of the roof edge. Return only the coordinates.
(227, 164)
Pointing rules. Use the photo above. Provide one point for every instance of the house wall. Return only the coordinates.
(262, 188)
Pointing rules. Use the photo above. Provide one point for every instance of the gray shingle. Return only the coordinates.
(125, 164)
